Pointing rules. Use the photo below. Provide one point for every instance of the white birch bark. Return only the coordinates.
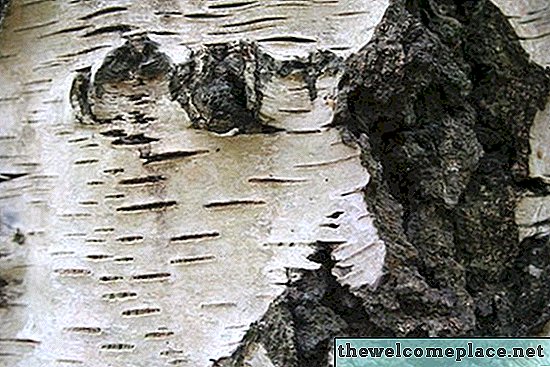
(138, 263)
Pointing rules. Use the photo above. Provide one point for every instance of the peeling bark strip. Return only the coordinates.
(298, 329)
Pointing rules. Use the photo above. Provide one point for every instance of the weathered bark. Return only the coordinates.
(446, 102)
(224, 186)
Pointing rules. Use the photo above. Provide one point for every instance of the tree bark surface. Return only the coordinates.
(204, 183)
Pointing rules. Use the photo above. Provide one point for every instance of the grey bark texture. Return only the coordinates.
(440, 106)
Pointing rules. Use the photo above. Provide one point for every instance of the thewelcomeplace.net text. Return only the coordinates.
(458, 354)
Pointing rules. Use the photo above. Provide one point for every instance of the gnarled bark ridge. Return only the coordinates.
(445, 98)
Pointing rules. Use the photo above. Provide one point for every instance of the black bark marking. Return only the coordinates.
(276, 180)
(136, 139)
(205, 16)
(117, 347)
(159, 205)
(192, 260)
(142, 180)
(98, 257)
(5, 176)
(170, 156)
(73, 272)
(231, 203)
(159, 334)
(114, 196)
(86, 162)
(232, 5)
(83, 330)
(119, 296)
(195, 236)
(288, 39)
(152, 277)
(20, 341)
(335, 215)
(136, 312)
(110, 278)
(123, 259)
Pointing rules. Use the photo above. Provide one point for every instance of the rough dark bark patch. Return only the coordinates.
(137, 58)
(217, 88)
(138, 61)
(297, 330)
(221, 86)
(3, 9)
(446, 96)
(3, 296)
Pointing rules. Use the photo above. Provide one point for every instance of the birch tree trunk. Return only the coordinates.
(235, 183)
